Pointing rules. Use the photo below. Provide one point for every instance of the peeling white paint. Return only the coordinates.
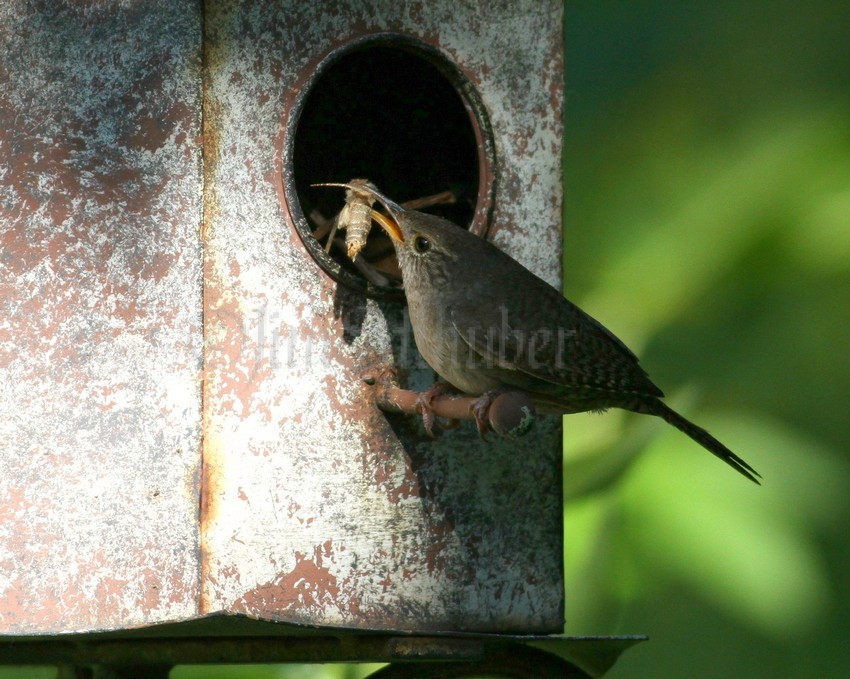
(100, 336)
(319, 514)
(317, 510)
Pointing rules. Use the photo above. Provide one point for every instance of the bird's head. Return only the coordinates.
(427, 246)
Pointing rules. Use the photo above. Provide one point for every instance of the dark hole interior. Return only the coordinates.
(389, 115)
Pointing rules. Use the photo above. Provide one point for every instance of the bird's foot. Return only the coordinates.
(424, 407)
(481, 410)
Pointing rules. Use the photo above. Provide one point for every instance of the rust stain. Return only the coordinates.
(315, 507)
(305, 590)
(398, 532)
(99, 336)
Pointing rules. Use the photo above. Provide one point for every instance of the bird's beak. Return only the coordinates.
(387, 223)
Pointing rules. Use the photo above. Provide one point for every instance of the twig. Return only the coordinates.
(442, 198)
(396, 400)
(511, 414)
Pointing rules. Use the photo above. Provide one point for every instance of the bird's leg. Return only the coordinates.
(481, 410)
(423, 404)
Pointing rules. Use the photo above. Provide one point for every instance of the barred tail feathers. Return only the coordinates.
(698, 434)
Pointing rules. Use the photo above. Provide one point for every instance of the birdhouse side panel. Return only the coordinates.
(100, 314)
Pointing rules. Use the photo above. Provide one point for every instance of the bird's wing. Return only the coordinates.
(552, 340)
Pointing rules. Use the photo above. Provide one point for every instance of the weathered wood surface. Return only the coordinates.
(317, 508)
(100, 314)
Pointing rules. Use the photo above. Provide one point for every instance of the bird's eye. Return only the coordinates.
(421, 244)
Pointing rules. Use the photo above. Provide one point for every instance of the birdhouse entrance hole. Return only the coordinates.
(397, 112)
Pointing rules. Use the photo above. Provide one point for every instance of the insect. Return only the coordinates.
(377, 265)
(355, 218)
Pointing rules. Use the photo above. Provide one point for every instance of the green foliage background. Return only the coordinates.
(707, 223)
(707, 218)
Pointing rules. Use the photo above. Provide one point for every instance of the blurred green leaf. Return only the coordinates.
(748, 550)
(290, 671)
(669, 255)
(28, 672)
(707, 223)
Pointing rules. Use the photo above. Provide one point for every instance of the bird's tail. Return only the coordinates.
(701, 436)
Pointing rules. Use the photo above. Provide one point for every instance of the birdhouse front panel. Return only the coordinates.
(320, 508)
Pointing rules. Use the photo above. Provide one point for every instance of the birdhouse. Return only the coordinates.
(189, 420)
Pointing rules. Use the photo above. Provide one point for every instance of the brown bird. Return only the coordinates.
(486, 325)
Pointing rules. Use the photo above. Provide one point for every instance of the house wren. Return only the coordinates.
(486, 325)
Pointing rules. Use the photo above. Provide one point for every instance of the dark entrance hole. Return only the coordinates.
(396, 112)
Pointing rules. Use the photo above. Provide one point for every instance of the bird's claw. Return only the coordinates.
(481, 410)
(424, 408)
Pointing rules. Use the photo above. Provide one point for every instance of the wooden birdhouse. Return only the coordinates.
(189, 433)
